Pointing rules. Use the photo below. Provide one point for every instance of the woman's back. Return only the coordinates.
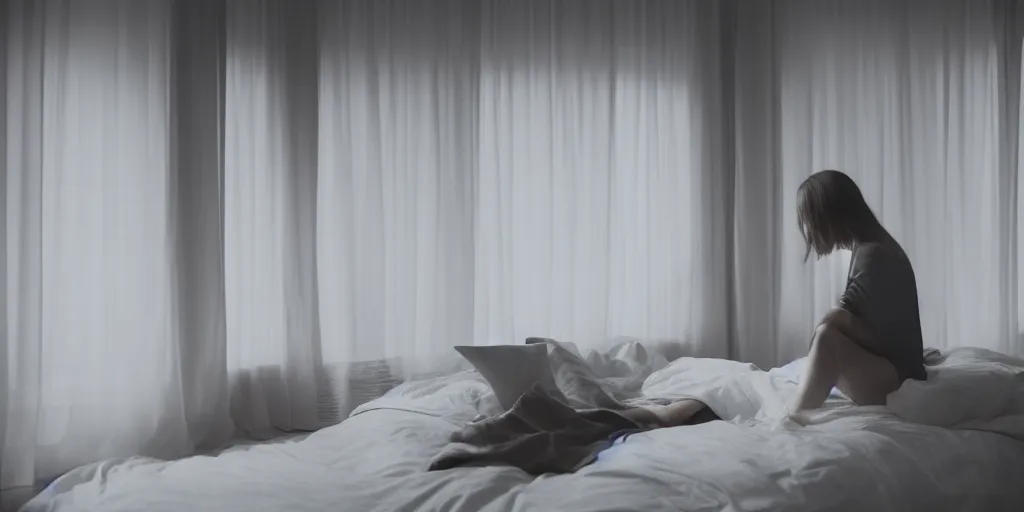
(881, 291)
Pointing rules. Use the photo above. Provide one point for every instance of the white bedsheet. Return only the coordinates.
(846, 459)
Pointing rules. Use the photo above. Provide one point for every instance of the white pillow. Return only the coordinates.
(512, 370)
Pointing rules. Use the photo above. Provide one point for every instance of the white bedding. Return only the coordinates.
(847, 458)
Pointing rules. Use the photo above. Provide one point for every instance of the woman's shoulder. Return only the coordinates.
(877, 249)
(879, 253)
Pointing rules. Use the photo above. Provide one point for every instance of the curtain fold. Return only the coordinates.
(248, 217)
(22, 179)
(197, 142)
(4, 331)
(757, 211)
(270, 196)
(1009, 31)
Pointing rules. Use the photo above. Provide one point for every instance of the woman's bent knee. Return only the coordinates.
(838, 318)
(829, 337)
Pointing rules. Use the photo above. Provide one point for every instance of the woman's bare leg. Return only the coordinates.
(678, 413)
(836, 360)
(671, 415)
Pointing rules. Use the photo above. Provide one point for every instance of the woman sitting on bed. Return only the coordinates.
(871, 342)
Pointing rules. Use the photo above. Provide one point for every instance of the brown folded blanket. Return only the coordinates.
(539, 434)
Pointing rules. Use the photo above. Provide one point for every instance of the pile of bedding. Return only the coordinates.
(951, 443)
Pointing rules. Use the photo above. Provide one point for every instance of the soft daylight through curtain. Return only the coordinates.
(250, 216)
(92, 337)
(596, 211)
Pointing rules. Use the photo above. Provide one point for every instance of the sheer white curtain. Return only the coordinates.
(395, 201)
(349, 174)
(485, 172)
(91, 337)
(601, 206)
(94, 249)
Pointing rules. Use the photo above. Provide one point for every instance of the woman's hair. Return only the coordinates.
(832, 213)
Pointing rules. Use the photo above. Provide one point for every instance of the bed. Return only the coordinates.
(953, 443)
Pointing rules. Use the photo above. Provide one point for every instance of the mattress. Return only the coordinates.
(845, 458)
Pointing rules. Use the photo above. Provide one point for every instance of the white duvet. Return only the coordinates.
(952, 443)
